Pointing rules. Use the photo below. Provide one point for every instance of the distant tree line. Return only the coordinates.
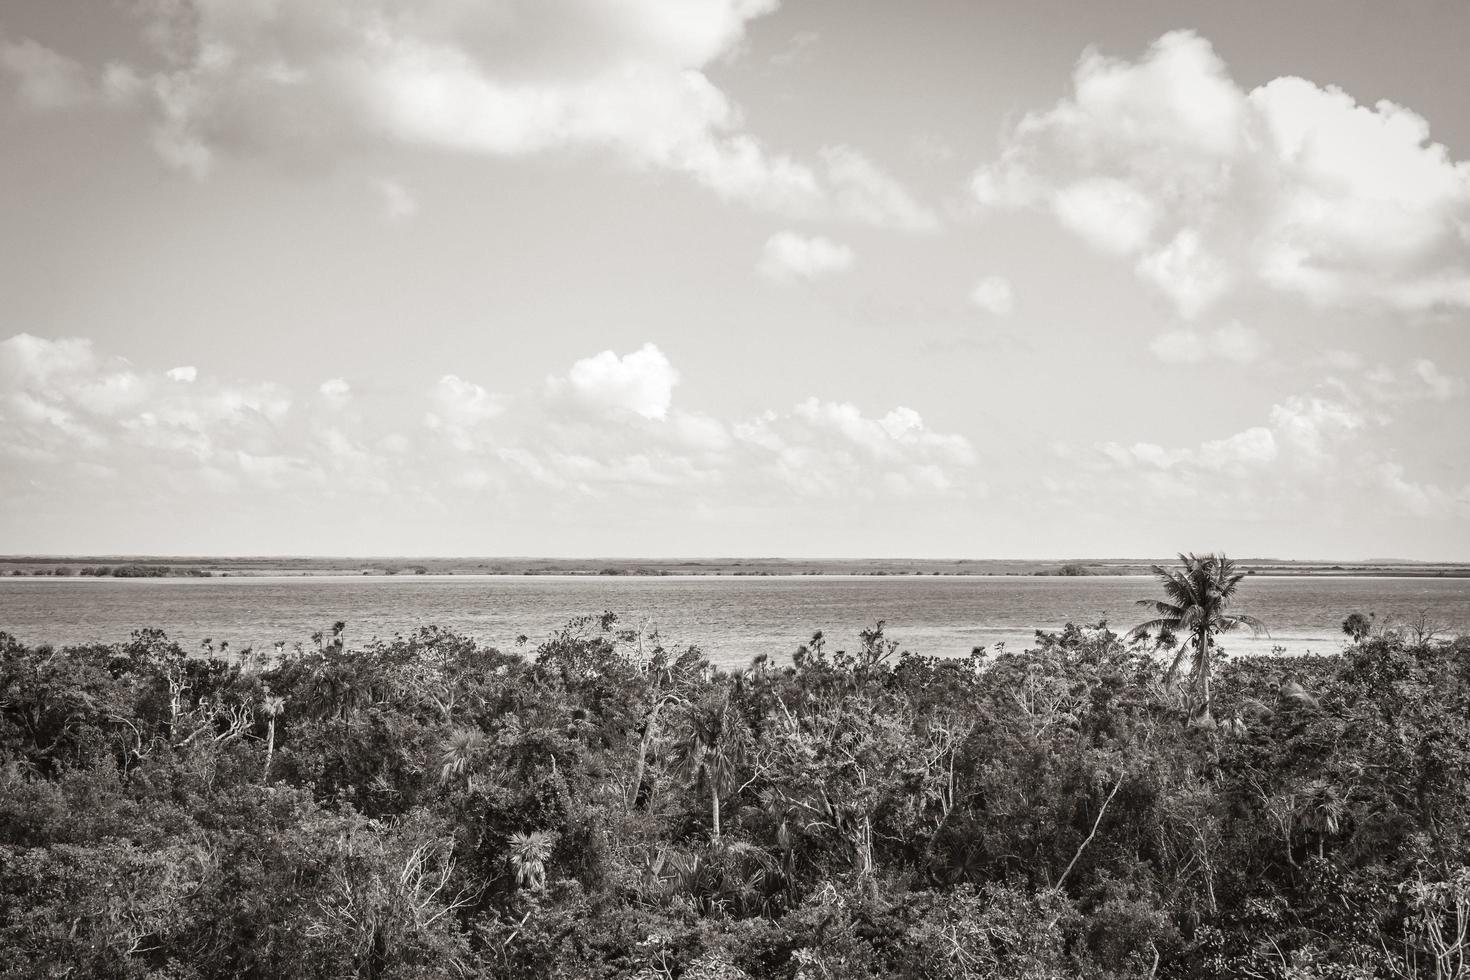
(117, 571)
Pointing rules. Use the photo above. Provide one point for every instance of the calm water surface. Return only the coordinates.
(731, 618)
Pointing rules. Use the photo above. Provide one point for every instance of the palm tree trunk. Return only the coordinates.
(1202, 669)
(714, 811)
(649, 727)
(270, 748)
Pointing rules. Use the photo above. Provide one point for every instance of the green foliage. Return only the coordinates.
(428, 807)
(1358, 626)
(1196, 604)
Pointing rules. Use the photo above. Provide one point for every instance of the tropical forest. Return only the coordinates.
(1118, 800)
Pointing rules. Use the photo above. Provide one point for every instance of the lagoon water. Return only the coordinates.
(731, 618)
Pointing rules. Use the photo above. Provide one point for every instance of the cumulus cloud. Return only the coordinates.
(506, 79)
(460, 409)
(61, 401)
(607, 426)
(335, 391)
(1256, 445)
(1420, 499)
(610, 425)
(1232, 342)
(788, 256)
(1304, 432)
(1419, 380)
(1313, 446)
(1314, 425)
(641, 382)
(1208, 188)
(824, 448)
(993, 295)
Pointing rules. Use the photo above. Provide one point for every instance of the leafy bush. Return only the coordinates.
(607, 807)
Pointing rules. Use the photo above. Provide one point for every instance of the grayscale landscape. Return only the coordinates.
(734, 490)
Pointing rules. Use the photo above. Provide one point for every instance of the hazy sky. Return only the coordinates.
(734, 277)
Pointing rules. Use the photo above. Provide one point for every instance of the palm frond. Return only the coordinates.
(1168, 609)
(1144, 629)
(1256, 626)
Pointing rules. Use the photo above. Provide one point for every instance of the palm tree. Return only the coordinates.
(670, 686)
(528, 855)
(709, 752)
(1321, 811)
(1197, 595)
(461, 753)
(272, 706)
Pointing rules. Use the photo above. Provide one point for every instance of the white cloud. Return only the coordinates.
(1314, 425)
(71, 417)
(510, 79)
(460, 410)
(44, 79)
(1185, 270)
(993, 295)
(788, 255)
(890, 436)
(1421, 499)
(1421, 380)
(1108, 214)
(73, 420)
(823, 448)
(1232, 342)
(121, 84)
(610, 426)
(335, 391)
(865, 193)
(27, 360)
(641, 382)
(1315, 451)
(398, 202)
(61, 401)
(1252, 447)
(1437, 384)
(1209, 188)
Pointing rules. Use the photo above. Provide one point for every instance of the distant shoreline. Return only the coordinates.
(171, 567)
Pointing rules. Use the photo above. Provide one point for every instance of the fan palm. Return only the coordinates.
(528, 855)
(1321, 811)
(709, 751)
(462, 752)
(1197, 596)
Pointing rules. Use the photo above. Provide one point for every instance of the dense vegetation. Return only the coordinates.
(604, 807)
(132, 570)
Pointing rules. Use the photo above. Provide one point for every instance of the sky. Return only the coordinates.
(814, 278)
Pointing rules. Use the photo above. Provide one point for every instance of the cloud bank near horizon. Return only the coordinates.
(610, 428)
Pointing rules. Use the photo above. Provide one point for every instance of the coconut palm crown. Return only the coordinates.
(1198, 595)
